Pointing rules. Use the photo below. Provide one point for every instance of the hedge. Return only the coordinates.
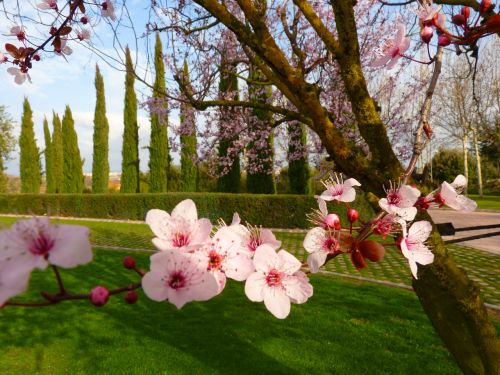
(273, 211)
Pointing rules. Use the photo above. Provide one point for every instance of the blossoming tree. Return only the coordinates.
(277, 38)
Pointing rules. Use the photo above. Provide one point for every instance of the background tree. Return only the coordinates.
(72, 164)
(299, 175)
(29, 160)
(228, 152)
(49, 168)
(130, 149)
(158, 147)
(7, 144)
(100, 162)
(189, 168)
(260, 151)
(57, 154)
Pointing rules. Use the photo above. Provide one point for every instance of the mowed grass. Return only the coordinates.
(347, 327)
(489, 202)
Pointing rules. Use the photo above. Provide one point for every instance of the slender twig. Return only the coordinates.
(62, 291)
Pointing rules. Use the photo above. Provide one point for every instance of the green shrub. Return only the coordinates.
(274, 211)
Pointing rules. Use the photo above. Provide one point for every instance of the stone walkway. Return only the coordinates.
(472, 219)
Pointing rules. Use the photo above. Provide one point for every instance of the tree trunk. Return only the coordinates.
(452, 302)
(478, 163)
(465, 140)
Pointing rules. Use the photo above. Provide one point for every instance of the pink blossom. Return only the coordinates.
(320, 243)
(64, 49)
(400, 201)
(224, 257)
(108, 10)
(19, 32)
(179, 278)
(339, 190)
(426, 12)
(412, 244)
(393, 49)
(3, 58)
(20, 75)
(449, 195)
(182, 230)
(252, 237)
(426, 34)
(47, 4)
(36, 243)
(83, 34)
(277, 281)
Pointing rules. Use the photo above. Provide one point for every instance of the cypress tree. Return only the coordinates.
(298, 168)
(130, 146)
(29, 158)
(158, 147)
(260, 179)
(57, 154)
(229, 181)
(72, 164)
(100, 163)
(189, 170)
(49, 168)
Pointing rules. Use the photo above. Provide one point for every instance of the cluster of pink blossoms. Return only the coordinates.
(193, 266)
(195, 259)
(23, 55)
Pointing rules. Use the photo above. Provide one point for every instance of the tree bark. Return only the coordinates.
(465, 140)
(478, 162)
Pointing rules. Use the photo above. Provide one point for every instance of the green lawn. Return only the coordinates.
(490, 202)
(347, 327)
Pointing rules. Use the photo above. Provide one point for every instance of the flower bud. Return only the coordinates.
(84, 20)
(36, 57)
(485, 6)
(131, 297)
(352, 215)
(465, 12)
(371, 250)
(422, 204)
(443, 41)
(459, 19)
(99, 296)
(332, 221)
(426, 34)
(53, 30)
(357, 259)
(129, 262)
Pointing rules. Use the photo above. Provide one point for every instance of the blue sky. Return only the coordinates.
(57, 82)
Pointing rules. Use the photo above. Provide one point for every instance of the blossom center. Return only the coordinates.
(394, 198)
(214, 260)
(331, 245)
(273, 278)
(395, 52)
(41, 245)
(177, 280)
(180, 239)
(336, 189)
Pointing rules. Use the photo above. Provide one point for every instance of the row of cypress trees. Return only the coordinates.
(64, 166)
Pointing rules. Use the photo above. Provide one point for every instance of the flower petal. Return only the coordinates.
(254, 287)
(185, 210)
(277, 302)
(71, 246)
(316, 260)
(313, 239)
(154, 286)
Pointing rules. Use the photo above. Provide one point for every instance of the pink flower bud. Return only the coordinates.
(465, 12)
(426, 34)
(36, 57)
(352, 215)
(443, 41)
(459, 19)
(99, 296)
(129, 262)
(332, 221)
(485, 6)
(131, 297)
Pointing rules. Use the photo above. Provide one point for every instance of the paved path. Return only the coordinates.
(461, 219)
